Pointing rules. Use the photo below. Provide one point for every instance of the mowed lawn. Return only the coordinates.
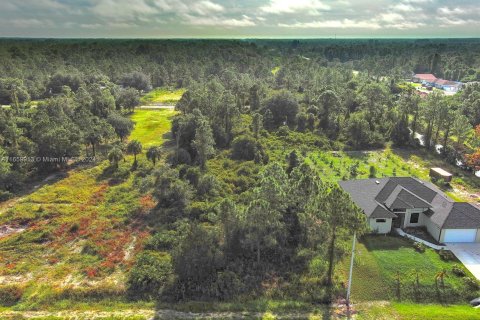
(378, 260)
(411, 311)
(162, 96)
(151, 126)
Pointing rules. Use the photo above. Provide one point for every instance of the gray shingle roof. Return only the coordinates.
(463, 215)
(375, 196)
(421, 189)
(382, 212)
(363, 193)
(401, 198)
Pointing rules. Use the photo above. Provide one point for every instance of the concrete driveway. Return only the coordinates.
(468, 254)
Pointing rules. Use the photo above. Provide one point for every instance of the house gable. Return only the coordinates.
(383, 198)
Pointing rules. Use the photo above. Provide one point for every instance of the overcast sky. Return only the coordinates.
(247, 18)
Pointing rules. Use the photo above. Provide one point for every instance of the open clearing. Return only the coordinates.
(162, 96)
(151, 126)
(75, 241)
(335, 166)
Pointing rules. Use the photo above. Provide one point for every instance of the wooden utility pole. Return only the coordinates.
(351, 271)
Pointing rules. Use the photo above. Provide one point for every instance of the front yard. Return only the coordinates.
(386, 268)
(381, 261)
(410, 311)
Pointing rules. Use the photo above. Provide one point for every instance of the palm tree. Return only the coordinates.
(134, 147)
(398, 284)
(153, 154)
(440, 276)
(415, 274)
(115, 156)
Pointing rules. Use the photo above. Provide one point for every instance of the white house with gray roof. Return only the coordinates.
(401, 202)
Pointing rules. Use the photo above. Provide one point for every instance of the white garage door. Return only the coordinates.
(460, 235)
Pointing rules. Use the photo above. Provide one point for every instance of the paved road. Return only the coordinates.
(469, 255)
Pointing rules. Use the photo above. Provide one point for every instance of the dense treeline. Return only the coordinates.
(235, 214)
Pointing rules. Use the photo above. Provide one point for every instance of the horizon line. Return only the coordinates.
(242, 38)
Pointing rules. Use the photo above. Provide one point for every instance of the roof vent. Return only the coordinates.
(377, 182)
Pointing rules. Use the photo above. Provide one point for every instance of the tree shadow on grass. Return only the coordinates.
(385, 242)
(236, 310)
(359, 155)
(114, 175)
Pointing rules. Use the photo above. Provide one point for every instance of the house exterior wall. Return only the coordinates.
(380, 227)
(433, 229)
(421, 218)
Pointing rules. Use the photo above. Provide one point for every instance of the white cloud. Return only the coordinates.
(417, 1)
(342, 24)
(219, 21)
(289, 6)
(127, 10)
(206, 8)
(91, 25)
(447, 22)
(122, 9)
(403, 25)
(404, 7)
(30, 23)
(391, 17)
(449, 12)
(121, 25)
(44, 4)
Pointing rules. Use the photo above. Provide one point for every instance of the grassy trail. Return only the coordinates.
(159, 96)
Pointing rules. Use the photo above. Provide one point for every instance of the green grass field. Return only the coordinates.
(162, 96)
(411, 311)
(378, 260)
(151, 126)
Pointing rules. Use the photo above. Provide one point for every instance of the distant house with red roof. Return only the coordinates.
(447, 85)
(430, 80)
(424, 78)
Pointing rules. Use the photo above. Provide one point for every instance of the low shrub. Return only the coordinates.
(192, 175)
(472, 283)
(208, 186)
(372, 172)
(95, 293)
(244, 148)
(458, 271)
(90, 248)
(419, 247)
(10, 295)
(446, 255)
(162, 241)
(5, 195)
(181, 156)
(150, 275)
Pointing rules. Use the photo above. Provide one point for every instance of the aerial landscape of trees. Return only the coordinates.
(236, 210)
